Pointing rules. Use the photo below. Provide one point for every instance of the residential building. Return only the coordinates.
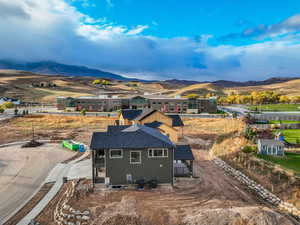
(270, 147)
(125, 154)
(159, 102)
(12, 100)
(170, 125)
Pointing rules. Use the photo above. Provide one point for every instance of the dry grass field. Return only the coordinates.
(222, 136)
(52, 127)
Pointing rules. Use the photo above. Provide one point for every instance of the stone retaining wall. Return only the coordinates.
(258, 189)
(65, 214)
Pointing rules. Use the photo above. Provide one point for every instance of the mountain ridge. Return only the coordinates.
(54, 68)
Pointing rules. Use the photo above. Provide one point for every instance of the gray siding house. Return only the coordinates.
(126, 154)
(270, 147)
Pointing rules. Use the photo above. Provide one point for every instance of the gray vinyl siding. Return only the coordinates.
(160, 169)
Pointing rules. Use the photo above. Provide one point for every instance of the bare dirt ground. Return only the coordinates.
(210, 199)
(22, 171)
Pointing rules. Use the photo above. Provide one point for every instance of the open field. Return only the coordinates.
(22, 171)
(290, 160)
(276, 107)
(52, 127)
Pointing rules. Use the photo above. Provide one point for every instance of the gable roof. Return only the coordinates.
(130, 137)
(154, 124)
(271, 142)
(145, 113)
(183, 152)
(131, 114)
(176, 121)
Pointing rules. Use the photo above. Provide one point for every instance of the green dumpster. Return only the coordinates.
(72, 145)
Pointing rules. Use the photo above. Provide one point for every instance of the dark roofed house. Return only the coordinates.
(126, 154)
(170, 125)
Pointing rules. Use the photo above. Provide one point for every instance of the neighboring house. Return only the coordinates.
(170, 125)
(270, 147)
(126, 154)
(13, 100)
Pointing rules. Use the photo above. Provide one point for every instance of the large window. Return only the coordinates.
(158, 153)
(116, 153)
(135, 157)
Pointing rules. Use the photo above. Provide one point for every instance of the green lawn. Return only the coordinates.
(276, 107)
(291, 135)
(290, 160)
(283, 121)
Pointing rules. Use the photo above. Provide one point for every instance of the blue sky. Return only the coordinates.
(158, 39)
(192, 18)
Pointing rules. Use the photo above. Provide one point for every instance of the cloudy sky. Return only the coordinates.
(157, 39)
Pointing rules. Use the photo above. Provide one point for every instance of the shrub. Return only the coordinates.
(249, 149)
(83, 112)
(8, 105)
(2, 110)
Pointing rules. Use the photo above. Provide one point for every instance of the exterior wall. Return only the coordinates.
(157, 116)
(169, 105)
(123, 121)
(160, 169)
(271, 149)
(179, 105)
(138, 103)
(170, 132)
(179, 132)
(98, 104)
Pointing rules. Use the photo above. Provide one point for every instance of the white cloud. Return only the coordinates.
(137, 30)
(54, 30)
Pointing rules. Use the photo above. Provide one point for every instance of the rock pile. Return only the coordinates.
(258, 189)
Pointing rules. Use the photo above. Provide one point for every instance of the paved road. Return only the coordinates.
(22, 171)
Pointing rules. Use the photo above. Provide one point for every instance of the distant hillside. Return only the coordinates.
(273, 80)
(53, 68)
(286, 86)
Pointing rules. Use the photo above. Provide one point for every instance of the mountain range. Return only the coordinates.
(55, 68)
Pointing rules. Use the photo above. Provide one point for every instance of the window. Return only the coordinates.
(115, 153)
(135, 157)
(158, 153)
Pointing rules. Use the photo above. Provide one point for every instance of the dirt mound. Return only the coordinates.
(32, 144)
(237, 216)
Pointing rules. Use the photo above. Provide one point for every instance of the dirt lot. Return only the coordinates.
(22, 171)
(211, 199)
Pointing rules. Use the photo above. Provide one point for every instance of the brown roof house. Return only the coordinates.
(170, 125)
